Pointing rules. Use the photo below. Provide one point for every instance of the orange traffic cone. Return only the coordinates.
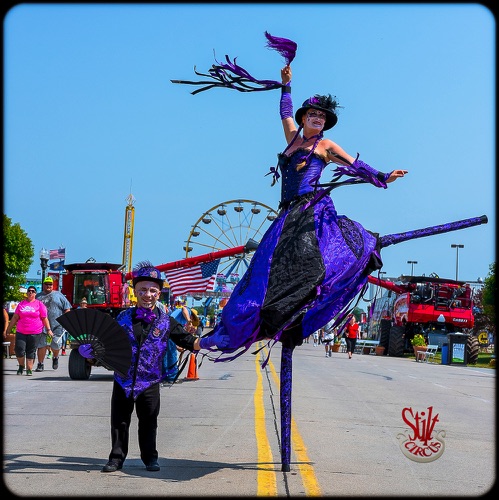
(192, 373)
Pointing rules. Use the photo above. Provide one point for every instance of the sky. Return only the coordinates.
(91, 116)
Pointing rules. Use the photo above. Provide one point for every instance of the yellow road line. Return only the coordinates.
(266, 477)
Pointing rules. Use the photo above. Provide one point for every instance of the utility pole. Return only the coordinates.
(457, 247)
(412, 262)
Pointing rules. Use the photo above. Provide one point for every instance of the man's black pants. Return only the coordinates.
(147, 408)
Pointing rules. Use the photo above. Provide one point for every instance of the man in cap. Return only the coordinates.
(56, 304)
(149, 327)
(83, 304)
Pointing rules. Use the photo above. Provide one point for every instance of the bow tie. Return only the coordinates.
(146, 315)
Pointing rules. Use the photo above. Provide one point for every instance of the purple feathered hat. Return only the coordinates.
(322, 102)
(145, 271)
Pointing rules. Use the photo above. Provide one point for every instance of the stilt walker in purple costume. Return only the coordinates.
(311, 263)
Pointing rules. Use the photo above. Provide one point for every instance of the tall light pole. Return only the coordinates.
(412, 262)
(457, 247)
(44, 258)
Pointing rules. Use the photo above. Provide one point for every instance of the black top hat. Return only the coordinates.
(145, 271)
(322, 102)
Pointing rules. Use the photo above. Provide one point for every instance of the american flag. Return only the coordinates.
(196, 279)
(57, 254)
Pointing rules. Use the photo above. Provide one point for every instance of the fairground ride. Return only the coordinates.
(229, 224)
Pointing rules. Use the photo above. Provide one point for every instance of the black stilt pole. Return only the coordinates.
(286, 386)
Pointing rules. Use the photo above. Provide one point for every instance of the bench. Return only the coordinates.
(429, 354)
(6, 347)
(371, 346)
(366, 346)
(359, 347)
(343, 344)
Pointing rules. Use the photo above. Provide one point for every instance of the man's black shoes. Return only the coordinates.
(113, 465)
(153, 466)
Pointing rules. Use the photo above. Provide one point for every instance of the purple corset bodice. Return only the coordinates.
(298, 182)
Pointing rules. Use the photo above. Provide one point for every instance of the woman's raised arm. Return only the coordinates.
(286, 105)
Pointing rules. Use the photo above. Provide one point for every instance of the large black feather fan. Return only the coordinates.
(107, 337)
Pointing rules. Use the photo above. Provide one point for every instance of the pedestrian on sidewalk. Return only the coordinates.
(328, 342)
(56, 304)
(83, 305)
(30, 317)
(186, 316)
(352, 334)
(316, 338)
(5, 320)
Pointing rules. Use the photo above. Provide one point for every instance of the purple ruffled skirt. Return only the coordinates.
(308, 268)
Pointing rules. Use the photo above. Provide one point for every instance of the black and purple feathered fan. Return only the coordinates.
(107, 337)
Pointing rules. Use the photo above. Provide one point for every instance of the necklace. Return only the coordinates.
(306, 139)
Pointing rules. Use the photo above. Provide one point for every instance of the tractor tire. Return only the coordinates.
(396, 344)
(384, 336)
(78, 367)
(472, 348)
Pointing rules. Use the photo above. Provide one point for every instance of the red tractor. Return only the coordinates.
(427, 305)
(105, 288)
(101, 283)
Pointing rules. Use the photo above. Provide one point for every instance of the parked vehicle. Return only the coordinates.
(104, 286)
(101, 283)
(427, 305)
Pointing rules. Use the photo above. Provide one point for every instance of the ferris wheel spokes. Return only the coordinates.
(229, 225)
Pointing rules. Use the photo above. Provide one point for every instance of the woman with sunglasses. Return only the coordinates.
(30, 317)
(312, 262)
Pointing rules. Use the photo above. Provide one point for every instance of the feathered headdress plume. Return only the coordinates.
(285, 47)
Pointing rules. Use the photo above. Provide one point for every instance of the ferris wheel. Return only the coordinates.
(228, 225)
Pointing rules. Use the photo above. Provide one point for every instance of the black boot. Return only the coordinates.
(292, 336)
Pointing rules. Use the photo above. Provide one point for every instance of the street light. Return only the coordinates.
(44, 258)
(457, 247)
(412, 262)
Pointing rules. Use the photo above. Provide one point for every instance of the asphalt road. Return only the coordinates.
(220, 435)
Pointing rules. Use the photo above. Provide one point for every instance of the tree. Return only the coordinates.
(484, 304)
(489, 297)
(480, 319)
(18, 255)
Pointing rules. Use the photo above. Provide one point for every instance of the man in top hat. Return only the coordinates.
(56, 304)
(149, 327)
